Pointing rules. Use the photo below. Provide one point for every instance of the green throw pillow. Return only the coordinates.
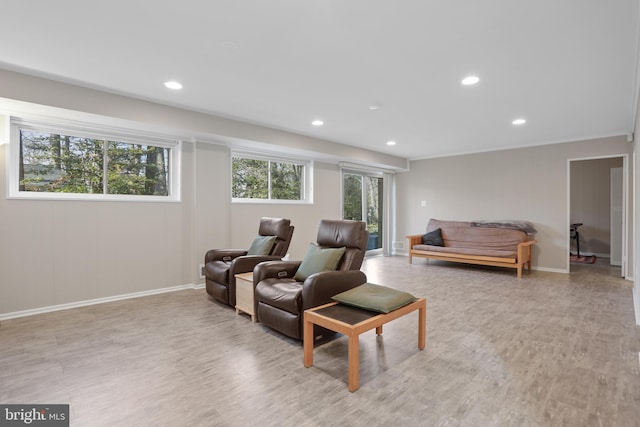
(262, 245)
(318, 259)
(376, 298)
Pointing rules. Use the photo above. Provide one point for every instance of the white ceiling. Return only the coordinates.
(568, 67)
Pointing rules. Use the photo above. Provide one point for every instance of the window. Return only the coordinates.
(266, 179)
(50, 162)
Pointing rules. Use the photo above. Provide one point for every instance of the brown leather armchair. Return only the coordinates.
(280, 300)
(221, 265)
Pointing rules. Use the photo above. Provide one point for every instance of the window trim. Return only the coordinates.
(307, 178)
(94, 131)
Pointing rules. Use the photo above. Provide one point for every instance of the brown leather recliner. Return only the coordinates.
(221, 265)
(280, 300)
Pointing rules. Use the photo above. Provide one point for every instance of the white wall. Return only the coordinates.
(17, 89)
(211, 216)
(55, 253)
(524, 184)
(636, 225)
(58, 252)
(636, 194)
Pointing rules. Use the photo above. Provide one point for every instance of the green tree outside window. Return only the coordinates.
(59, 163)
(266, 179)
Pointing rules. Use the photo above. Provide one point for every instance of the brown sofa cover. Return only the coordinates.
(466, 243)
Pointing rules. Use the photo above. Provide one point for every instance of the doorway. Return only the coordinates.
(597, 201)
(362, 200)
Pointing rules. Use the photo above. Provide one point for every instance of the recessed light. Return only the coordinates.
(470, 80)
(229, 45)
(317, 122)
(391, 143)
(173, 85)
(519, 121)
(374, 107)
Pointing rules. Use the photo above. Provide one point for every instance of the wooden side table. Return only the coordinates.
(244, 294)
(352, 322)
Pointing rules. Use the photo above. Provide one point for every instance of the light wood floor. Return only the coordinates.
(549, 349)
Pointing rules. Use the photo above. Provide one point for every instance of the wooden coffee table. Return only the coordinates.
(352, 322)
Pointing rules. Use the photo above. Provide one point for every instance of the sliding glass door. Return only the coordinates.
(362, 200)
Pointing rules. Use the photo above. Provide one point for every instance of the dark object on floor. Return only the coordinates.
(573, 228)
(588, 259)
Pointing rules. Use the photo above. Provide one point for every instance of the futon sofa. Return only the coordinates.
(500, 243)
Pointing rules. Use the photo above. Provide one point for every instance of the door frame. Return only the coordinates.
(625, 208)
(617, 174)
(346, 168)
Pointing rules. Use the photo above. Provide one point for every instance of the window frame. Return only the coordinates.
(307, 180)
(93, 131)
(388, 202)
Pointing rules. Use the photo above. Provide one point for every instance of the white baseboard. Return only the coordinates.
(51, 308)
(551, 270)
